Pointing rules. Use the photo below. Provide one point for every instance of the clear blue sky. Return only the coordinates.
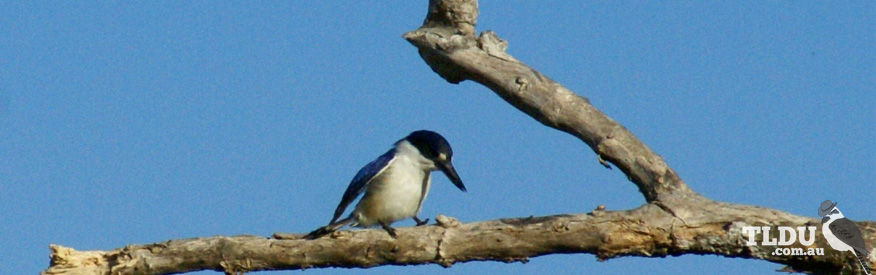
(139, 122)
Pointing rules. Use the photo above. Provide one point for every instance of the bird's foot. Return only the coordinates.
(389, 230)
(421, 222)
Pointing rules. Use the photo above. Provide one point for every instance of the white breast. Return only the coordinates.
(398, 191)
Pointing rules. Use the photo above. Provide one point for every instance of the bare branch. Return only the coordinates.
(647, 231)
(457, 55)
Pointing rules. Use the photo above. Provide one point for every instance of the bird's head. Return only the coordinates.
(434, 147)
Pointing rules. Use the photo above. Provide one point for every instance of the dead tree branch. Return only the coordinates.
(674, 221)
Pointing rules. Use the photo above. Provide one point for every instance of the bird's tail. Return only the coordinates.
(862, 258)
(325, 230)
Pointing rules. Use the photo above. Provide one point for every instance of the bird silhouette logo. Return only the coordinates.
(842, 234)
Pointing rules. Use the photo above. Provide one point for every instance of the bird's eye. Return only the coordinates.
(834, 211)
(442, 156)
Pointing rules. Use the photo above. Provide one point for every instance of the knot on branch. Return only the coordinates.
(494, 46)
(446, 222)
(461, 15)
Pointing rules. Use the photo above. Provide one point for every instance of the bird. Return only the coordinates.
(842, 234)
(395, 184)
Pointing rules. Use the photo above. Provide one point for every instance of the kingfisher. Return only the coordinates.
(395, 184)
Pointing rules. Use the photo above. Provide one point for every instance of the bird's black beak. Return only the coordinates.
(448, 170)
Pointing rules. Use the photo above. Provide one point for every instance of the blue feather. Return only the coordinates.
(361, 181)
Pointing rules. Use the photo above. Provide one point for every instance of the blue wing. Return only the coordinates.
(361, 180)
